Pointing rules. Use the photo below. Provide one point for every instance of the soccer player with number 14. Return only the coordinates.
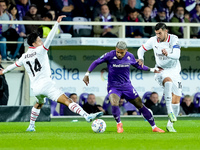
(36, 63)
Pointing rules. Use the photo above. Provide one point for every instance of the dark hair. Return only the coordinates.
(133, 11)
(32, 38)
(90, 94)
(72, 94)
(11, 7)
(153, 93)
(105, 5)
(160, 25)
(32, 5)
(48, 15)
(4, 1)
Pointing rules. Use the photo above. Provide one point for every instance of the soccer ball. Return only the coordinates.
(98, 126)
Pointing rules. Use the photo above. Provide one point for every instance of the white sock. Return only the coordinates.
(34, 114)
(176, 109)
(153, 126)
(169, 123)
(76, 108)
(119, 122)
(168, 96)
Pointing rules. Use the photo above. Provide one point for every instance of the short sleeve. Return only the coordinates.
(175, 43)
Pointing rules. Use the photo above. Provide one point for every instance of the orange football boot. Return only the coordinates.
(119, 128)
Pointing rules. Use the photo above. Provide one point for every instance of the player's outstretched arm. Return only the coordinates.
(1, 71)
(140, 62)
(86, 78)
(8, 69)
(91, 68)
(52, 33)
(60, 18)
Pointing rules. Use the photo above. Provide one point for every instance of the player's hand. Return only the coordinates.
(155, 70)
(1, 71)
(164, 52)
(86, 80)
(140, 62)
(60, 18)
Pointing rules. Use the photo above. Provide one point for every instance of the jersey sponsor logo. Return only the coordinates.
(30, 55)
(120, 65)
(161, 56)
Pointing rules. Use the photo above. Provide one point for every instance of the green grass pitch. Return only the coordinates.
(61, 135)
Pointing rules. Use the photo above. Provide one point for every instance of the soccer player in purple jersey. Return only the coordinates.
(119, 85)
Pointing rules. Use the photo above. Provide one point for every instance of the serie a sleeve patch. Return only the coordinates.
(103, 55)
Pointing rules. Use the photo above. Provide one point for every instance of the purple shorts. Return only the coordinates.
(129, 93)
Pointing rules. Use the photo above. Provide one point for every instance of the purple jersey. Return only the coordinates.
(118, 69)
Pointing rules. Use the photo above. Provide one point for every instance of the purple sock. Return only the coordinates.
(147, 115)
(116, 113)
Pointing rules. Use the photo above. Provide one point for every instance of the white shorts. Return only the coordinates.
(46, 89)
(176, 79)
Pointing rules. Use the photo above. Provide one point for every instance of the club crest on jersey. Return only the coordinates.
(114, 57)
(128, 58)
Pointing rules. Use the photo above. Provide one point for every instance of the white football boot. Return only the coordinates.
(94, 116)
(31, 128)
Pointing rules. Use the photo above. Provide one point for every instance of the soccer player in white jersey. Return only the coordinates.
(167, 53)
(36, 63)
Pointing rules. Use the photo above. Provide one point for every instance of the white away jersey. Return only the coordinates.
(36, 63)
(162, 60)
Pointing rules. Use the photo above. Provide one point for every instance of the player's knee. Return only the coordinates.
(176, 99)
(168, 79)
(114, 99)
(168, 98)
(114, 102)
(138, 105)
(137, 102)
(38, 105)
(64, 100)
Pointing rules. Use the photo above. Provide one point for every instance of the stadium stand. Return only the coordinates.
(83, 99)
(62, 107)
(196, 100)
(146, 96)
